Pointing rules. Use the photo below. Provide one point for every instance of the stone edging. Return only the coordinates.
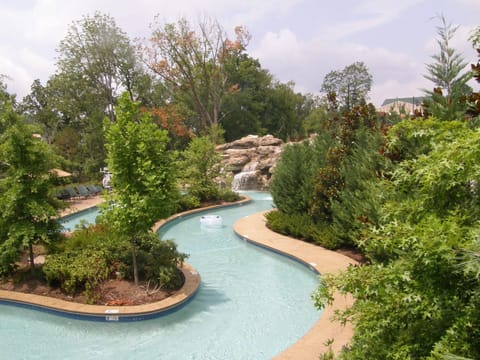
(103, 312)
(253, 228)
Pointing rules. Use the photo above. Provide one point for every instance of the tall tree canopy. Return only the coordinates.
(192, 62)
(96, 61)
(351, 85)
(97, 53)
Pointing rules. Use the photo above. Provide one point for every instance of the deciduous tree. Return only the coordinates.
(351, 85)
(416, 297)
(143, 173)
(192, 63)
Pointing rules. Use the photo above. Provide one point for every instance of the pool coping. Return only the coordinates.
(118, 313)
(108, 313)
(253, 228)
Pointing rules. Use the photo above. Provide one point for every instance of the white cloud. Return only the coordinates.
(299, 40)
(369, 14)
(307, 63)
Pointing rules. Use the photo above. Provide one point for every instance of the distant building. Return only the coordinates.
(402, 105)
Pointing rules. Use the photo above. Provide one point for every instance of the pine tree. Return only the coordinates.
(448, 98)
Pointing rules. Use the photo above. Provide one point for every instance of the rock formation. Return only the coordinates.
(250, 161)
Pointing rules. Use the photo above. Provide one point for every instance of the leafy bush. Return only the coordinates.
(8, 256)
(301, 226)
(199, 167)
(188, 202)
(158, 261)
(74, 271)
(228, 195)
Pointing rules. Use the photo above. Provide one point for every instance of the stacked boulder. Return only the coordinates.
(250, 161)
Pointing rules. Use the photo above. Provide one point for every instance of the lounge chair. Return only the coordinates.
(83, 191)
(72, 193)
(95, 190)
(62, 194)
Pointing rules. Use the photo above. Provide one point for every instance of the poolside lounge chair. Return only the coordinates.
(95, 190)
(83, 191)
(62, 194)
(72, 193)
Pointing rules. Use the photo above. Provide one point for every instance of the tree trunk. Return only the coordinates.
(134, 261)
(32, 259)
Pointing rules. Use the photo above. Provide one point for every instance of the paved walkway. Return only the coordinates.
(77, 205)
(312, 344)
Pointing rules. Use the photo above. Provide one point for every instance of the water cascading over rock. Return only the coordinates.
(250, 160)
(247, 178)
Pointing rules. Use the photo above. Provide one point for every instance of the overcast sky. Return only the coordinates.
(296, 40)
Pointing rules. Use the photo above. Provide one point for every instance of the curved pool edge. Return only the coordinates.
(253, 228)
(156, 227)
(108, 313)
(119, 313)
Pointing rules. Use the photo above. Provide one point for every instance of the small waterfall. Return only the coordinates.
(247, 176)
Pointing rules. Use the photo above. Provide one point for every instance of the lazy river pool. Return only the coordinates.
(252, 304)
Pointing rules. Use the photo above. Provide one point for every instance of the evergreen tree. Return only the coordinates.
(448, 98)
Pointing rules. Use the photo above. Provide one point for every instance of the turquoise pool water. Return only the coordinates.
(87, 216)
(252, 304)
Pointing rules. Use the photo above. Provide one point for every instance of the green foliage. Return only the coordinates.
(228, 195)
(358, 203)
(416, 298)
(350, 85)
(302, 227)
(448, 99)
(158, 261)
(26, 203)
(93, 253)
(410, 139)
(8, 256)
(291, 186)
(331, 179)
(245, 103)
(445, 181)
(283, 114)
(95, 62)
(200, 166)
(74, 271)
(187, 202)
(143, 172)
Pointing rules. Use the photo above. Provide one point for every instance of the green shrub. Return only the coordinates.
(8, 256)
(99, 236)
(300, 226)
(188, 202)
(291, 185)
(75, 271)
(158, 262)
(228, 195)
